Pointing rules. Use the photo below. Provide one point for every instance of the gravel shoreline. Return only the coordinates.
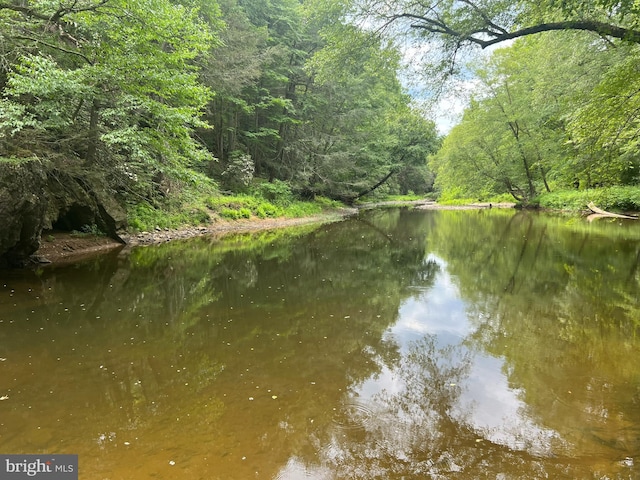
(66, 247)
(160, 235)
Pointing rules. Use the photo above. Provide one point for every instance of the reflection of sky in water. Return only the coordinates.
(487, 402)
(437, 311)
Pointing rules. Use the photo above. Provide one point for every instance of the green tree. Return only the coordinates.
(496, 148)
(316, 104)
(539, 121)
(111, 83)
(359, 129)
(605, 129)
(274, 96)
(231, 70)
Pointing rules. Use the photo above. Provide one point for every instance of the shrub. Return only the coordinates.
(267, 209)
(613, 198)
(325, 202)
(143, 217)
(230, 213)
(239, 172)
(277, 192)
(302, 209)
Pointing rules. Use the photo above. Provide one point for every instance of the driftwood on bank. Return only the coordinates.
(599, 213)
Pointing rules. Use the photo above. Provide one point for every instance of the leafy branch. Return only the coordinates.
(488, 23)
(499, 34)
(55, 47)
(56, 16)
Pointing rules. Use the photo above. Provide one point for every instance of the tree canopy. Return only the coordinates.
(552, 112)
(149, 95)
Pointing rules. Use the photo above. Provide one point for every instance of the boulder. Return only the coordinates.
(23, 202)
(36, 196)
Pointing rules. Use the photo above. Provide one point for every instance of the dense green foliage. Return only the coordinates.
(168, 102)
(161, 97)
(553, 112)
(110, 84)
(556, 108)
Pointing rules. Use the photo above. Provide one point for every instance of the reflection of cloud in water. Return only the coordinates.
(486, 403)
(436, 311)
(297, 470)
(495, 409)
(441, 410)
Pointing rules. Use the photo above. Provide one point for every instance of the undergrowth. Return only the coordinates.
(622, 199)
(198, 205)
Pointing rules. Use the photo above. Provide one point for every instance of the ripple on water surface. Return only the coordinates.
(352, 415)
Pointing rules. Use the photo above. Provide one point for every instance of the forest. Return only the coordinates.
(159, 104)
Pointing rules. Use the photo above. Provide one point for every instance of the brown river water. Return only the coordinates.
(397, 344)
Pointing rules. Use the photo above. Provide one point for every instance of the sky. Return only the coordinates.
(448, 109)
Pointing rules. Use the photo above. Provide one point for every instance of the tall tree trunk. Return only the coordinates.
(515, 130)
(543, 174)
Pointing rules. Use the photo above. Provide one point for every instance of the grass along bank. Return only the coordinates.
(619, 199)
(614, 199)
(204, 206)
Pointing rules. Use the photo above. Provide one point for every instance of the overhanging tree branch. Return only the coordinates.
(52, 23)
(378, 184)
(55, 16)
(600, 28)
(498, 34)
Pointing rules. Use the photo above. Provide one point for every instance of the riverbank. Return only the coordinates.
(470, 206)
(66, 247)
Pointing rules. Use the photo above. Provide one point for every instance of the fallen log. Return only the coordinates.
(599, 213)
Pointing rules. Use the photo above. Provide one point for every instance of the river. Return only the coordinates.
(396, 344)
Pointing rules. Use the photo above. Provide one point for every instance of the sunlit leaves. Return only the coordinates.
(118, 75)
(13, 118)
(561, 109)
(56, 92)
(608, 126)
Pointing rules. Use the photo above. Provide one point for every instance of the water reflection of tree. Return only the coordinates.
(420, 432)
(559, 302)
(170, 330)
